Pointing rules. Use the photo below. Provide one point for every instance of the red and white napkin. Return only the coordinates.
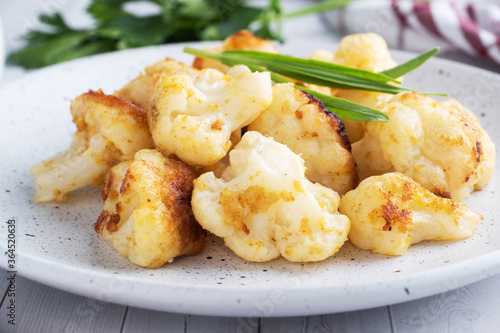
(471, 26)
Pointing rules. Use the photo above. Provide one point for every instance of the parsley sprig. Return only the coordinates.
(116, 27)
(324, 74)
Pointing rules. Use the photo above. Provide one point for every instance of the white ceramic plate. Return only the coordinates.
(56, 244)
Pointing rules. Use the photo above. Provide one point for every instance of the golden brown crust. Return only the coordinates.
(139, 90)
(242, 40)
(155, 192)
(106, 189)
(198, 63)
(123, 124)
(112, 222)
(122, 106)
(440, 145)
(245, 40)
(391, 212)
(402, 219)
(177, 185)
(331, 118)
(302, 122)
(101, 221)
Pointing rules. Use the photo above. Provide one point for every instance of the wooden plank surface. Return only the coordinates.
(39, 308)
(354, 321)
(473, 308)
(44, 309)
(195, 324)
(140, 320)
(284, 325)
(3, 284)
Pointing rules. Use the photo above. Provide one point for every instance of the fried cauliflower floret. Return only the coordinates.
(242, 40)
(108, 130)
(147, 214)
(389, 213)
(193, 117)
(366, 51)
(301, 122)
(223, 163)
(264, 207)
(140, 89)
(441, 146)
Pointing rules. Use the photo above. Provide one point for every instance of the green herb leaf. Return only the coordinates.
(410, 65)
(346, 109)
(323, 74)
(269, 22)
(240, 19)
(317, 72)
(55, 20)
(54, 50)
(343, 108)
(103, 11)
(178, 21)
(317, 8)
(310, 71)
(139, 31)
(320, 69)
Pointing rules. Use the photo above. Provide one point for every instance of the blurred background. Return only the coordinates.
(51, 31)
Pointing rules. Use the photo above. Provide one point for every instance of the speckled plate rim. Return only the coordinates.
(256, 301)
(252, 302)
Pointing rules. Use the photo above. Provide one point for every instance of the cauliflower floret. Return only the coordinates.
(485, 146)
(263, 205)
(140, 89)
(366, 51)
(147, 214)
(223, 163)
(242, 40)
(388, 213)
(109, 130)
(301, 122)
(193, 117)
(440, 145)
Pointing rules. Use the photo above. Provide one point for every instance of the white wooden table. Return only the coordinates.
(473, 308)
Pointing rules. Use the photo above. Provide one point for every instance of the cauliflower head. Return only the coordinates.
(147, 214)
(193, 117)
(242, 40)
(366, 51)
(140, 89)
(388, 213)
(264, 207)
(108, 130)
(302, 123)
(441, 146)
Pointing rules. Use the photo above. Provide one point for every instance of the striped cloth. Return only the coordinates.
(471, 26)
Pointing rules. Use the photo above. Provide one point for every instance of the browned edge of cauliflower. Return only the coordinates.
(108, 130)
(147, 214)
(140, 89)
(441, 145)
(241, 40)
(388, 213)
(301, 122)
